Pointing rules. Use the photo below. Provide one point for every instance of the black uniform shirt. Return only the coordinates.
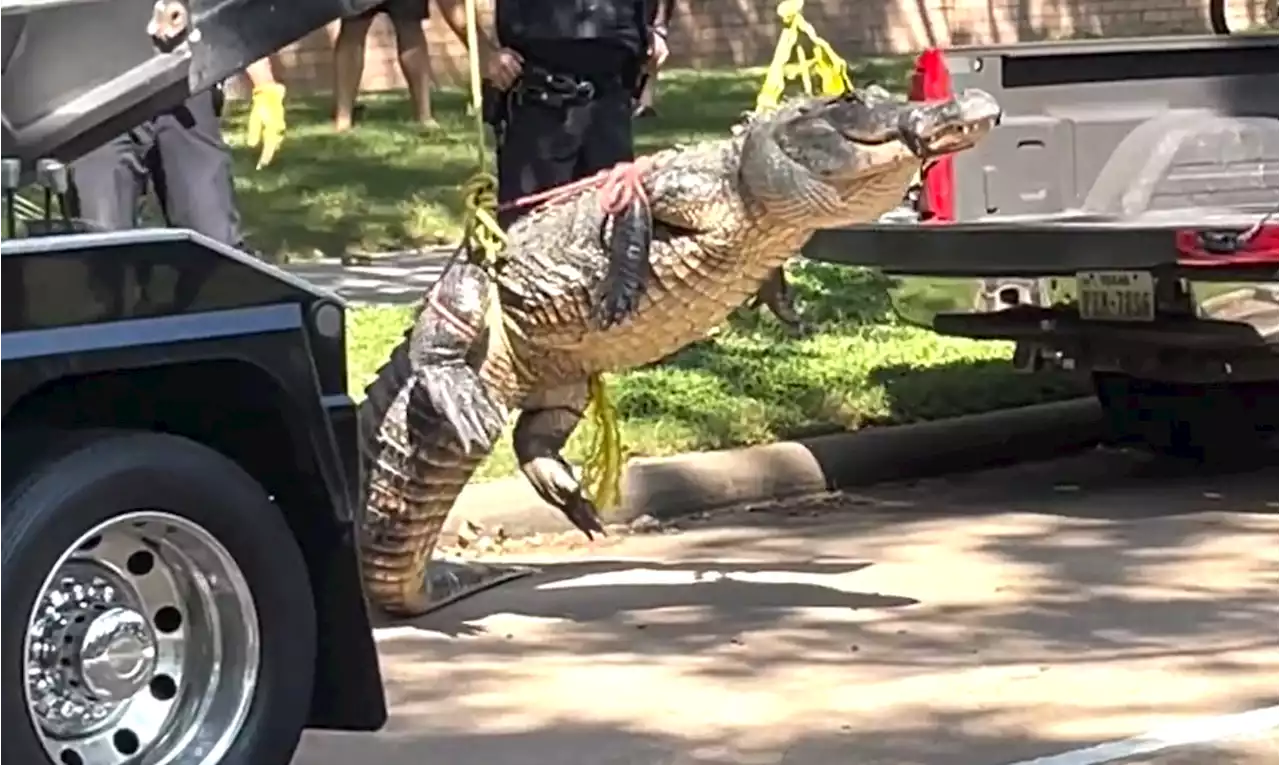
(597, 39)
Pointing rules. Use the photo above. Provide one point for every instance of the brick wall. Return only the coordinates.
(719, 33)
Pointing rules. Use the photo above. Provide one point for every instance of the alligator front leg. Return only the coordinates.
(775, 294)
(545, 424)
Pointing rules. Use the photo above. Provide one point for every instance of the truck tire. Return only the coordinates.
(157, 607)
(1215, 423)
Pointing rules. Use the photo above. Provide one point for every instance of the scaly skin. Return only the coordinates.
(726, 214)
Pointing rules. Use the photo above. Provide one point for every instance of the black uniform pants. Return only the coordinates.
(187, 162)
(546, 146)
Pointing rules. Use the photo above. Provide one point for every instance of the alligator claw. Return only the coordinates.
(554, 482)
(458, 394)
(584, 516)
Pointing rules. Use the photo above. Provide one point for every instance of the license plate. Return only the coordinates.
(1117, 295)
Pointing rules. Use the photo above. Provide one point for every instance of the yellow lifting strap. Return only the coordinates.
(480, 193)
(602, 470)
(832, 70)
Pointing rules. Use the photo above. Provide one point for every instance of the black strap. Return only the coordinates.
(553, 89)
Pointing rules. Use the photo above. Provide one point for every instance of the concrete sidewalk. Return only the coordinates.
(397, 278)
(987, 619)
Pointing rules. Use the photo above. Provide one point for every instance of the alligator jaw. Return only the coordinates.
(936, 129)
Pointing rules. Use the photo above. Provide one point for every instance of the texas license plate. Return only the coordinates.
(1117, 295)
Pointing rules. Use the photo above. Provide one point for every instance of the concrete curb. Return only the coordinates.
(670, 487)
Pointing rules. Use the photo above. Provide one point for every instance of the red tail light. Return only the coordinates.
(1199, 249)
(931, 82)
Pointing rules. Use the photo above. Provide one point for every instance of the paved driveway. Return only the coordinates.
(991, 619)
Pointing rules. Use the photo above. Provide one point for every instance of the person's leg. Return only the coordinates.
(539, 151)
(108, 182)
(648, 94)
(348, 66)
(194, 175)
(608, 139)
(408, 19)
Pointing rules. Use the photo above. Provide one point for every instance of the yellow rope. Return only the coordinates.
(602, 470)
(480, 193)
(831, 70)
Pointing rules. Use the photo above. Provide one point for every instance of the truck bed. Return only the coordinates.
(1044, 245)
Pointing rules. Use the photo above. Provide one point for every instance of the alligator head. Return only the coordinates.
(824, 162)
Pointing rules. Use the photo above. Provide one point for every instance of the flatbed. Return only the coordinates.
(1120, 222)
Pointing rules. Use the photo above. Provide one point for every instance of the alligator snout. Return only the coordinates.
(944, 127)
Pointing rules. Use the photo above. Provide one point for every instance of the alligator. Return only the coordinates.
(583, 290)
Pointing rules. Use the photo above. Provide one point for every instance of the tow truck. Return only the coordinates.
(180, 576)
(1119, 222)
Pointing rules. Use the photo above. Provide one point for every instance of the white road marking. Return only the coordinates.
(651, 577)
(402, 632)
(1201, 730)
(672, 577)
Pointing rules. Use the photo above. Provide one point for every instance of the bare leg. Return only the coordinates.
(648, 94)
(348, 67)
(546, 422)
(415, 64)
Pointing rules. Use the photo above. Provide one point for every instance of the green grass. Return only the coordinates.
(387, 185)
(752, 384)
(390, 185)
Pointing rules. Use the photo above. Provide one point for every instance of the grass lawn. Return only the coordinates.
(387, 185)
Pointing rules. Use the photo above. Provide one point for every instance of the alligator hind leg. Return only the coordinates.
(546, 421)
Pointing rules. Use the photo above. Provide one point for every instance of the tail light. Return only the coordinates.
(932, 82)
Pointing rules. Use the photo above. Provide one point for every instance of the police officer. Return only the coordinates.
(182, 154)
(563, 73)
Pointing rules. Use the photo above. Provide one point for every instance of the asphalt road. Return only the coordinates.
(390, 279)
(1105, 608)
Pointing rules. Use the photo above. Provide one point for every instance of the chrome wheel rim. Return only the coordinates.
(142, 646)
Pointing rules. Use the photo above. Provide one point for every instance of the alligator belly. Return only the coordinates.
(667, 320)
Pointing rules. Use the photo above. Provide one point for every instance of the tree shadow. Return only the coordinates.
(922, 736)
(924, 393)
(946, 621)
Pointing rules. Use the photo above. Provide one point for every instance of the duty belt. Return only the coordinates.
(538, 85)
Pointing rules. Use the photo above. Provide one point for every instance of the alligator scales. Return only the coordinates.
(583, 291)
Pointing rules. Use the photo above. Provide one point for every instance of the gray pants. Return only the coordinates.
(187, 162)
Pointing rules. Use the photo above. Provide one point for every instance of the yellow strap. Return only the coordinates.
(832, 70)
(480, 193)
(602, 471)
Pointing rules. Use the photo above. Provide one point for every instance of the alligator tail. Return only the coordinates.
(415, 468)
(428, 419)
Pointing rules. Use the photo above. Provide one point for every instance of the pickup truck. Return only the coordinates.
(1120, 222)
(180, 578)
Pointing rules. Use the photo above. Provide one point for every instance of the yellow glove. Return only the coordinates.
(266, 121)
